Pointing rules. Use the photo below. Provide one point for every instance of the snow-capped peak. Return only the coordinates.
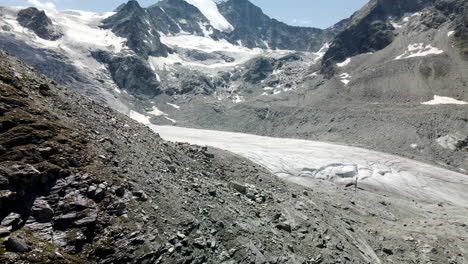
(210, 10)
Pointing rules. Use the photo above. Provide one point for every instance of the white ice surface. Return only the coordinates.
(206, 44)
(419, 50)
(210, 10)
(304, 162)
(438, 100)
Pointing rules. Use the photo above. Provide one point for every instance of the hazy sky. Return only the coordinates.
(316, 13)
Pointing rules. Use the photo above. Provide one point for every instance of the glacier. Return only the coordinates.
(307, 162)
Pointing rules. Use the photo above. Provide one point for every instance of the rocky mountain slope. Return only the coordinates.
(375, 80)
(90, 185)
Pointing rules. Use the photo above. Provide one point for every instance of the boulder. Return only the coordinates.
(140, 196)
(120, 191)
(238, 187)
(16, 244)
(284, 226)
(5, 231)
(41, 211)
(13, 219)
(22, 173)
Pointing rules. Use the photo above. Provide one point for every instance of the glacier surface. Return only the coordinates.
(305, 162)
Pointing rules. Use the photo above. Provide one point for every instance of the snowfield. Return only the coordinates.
(210, 10)
(305, 162)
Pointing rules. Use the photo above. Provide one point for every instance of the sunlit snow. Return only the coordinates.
(419, 50)
(438, 100)
(344, 63)
(156, 112)
(345, 78)
(210, 10)
(173, 105)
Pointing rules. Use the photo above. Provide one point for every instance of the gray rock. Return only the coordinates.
(41, 211)
(117, 208)
(4, 181)
(13, 219)
(6, 28)
(140, 196)
(65, 220)
(100, 193)
(16, 244)
(209, 155)
(199, 243)
(120, 191)
(22, 173)
(89, 219)
(38, 22)
(5, 231)
(238, 187)
(91, 192)
(284, 226)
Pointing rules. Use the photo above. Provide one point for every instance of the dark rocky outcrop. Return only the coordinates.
(133, 23)
(370, 30)
(131, 73)
(39, 22)
(255, 29)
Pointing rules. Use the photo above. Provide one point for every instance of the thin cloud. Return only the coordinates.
(42, 5)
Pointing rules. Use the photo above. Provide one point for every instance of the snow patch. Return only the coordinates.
(173, 105)
(440, 100)
(144, 119)
(210, 10)
(344, 63)
(170, 119)
(156, 112)
(321, 53)
(345, 78)
(450, 33)
(396, 25)
(238, 99)
(419, 50)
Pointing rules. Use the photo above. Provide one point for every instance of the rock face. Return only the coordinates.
(38, 22)
(134, 23)
(371, 29)
(255, 29)
(41, 211)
